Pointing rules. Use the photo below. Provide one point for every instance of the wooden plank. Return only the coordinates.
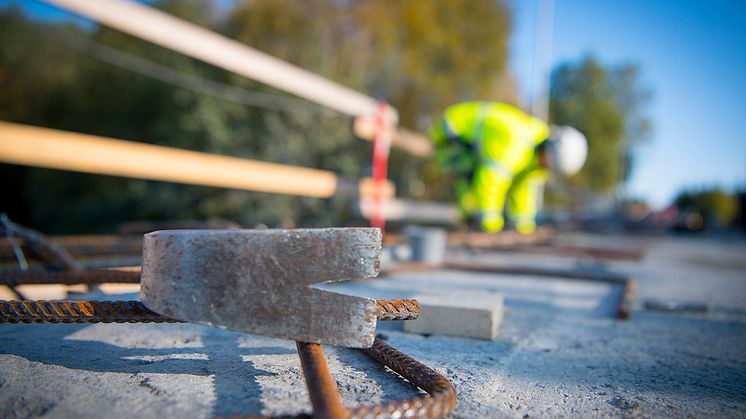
(41, 147)
(160, 28)
(189, 39)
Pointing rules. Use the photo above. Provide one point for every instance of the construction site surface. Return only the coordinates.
(562, 348)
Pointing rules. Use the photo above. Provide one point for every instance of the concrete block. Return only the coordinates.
(465, 314)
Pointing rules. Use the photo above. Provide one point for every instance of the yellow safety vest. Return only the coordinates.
(492, 148)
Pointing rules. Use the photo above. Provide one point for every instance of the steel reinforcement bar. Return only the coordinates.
(626, 297)
(442, 394)
(327, 403)
(89, 277)
(84, 247)
(72, 311)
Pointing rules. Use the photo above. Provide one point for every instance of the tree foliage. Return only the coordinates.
(717, 207)
(421, 56)
(607, 104)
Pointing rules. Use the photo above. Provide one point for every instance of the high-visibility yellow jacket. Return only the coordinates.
(492, 148)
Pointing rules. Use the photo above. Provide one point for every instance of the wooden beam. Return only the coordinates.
(160, 28)
(53, 149)
(189, 39)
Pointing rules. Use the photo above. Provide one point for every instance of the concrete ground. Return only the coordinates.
(560, 351)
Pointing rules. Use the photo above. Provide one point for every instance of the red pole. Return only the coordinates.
(381, 147)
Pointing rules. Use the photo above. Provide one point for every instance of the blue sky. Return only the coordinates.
(693, 57)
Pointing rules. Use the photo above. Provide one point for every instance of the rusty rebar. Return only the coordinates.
(442, 394)
(398, 309)
(576, 251)
(322, 389)
(586, 275)
(83, 246)
(593, 276)
(90, 277)
(327, 403)
(12, 243)
(39, 244)
(69, 311)
(624, 306)
(542, 241)
(387, 309)
(72, 311)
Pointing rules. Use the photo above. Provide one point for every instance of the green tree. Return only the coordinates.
(717, 207)
(420, 56)
(607, 104)
(80, 93)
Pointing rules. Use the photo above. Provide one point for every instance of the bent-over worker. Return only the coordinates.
(498, 154)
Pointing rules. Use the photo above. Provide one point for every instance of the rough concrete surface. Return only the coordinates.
(560, 351)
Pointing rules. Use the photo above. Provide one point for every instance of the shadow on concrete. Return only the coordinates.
(236, 388)
(391, 386)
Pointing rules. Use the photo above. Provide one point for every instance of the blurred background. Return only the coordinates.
(656, 86)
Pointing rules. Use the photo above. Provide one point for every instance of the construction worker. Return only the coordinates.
(496, 152)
